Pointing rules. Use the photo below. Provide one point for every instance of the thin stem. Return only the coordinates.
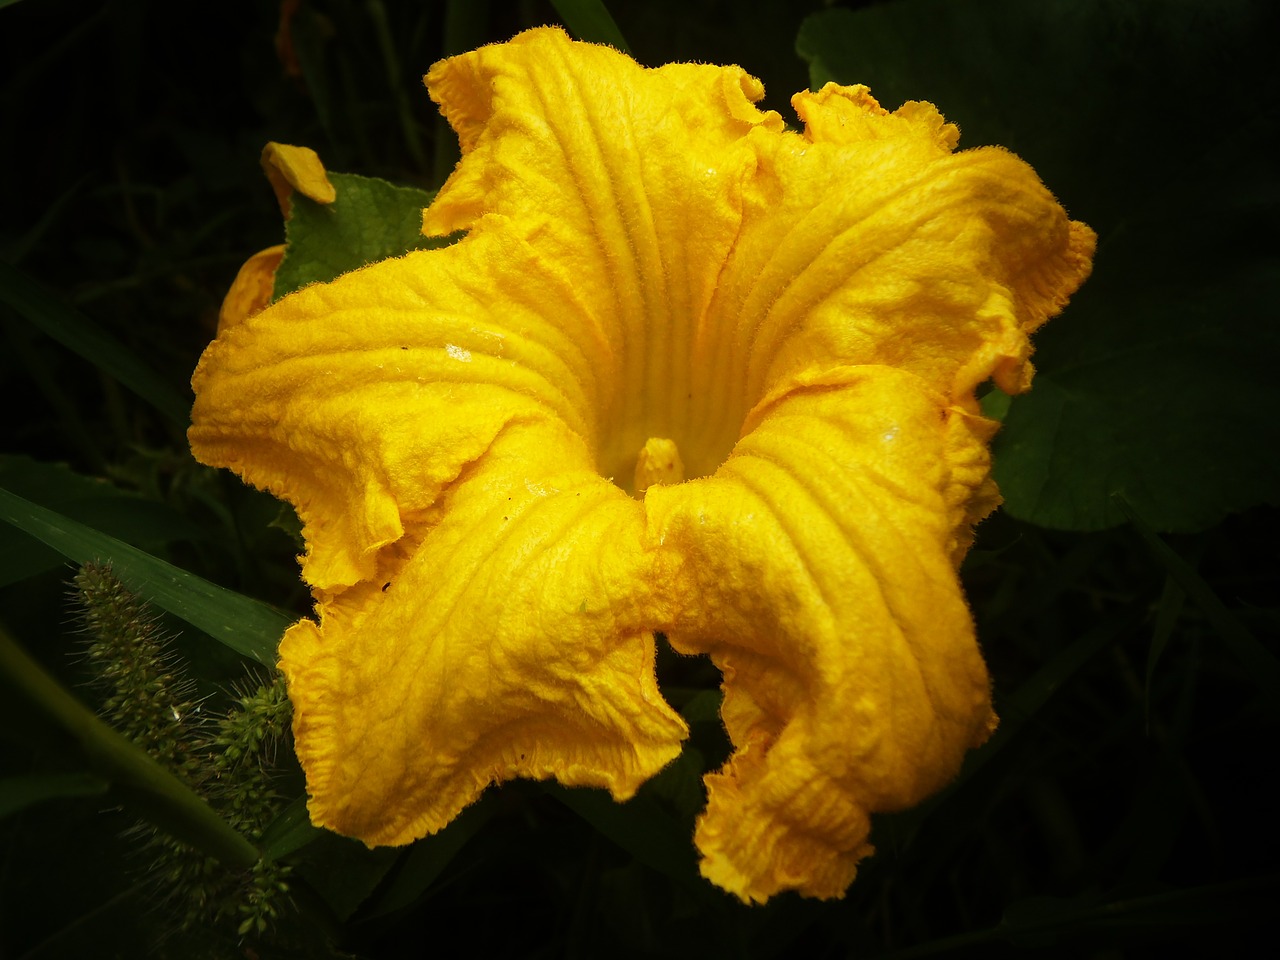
(167, 801)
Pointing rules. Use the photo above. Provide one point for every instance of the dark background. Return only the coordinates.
(1123, 809)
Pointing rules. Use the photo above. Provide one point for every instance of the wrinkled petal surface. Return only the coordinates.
(817, 571)
(689, 372)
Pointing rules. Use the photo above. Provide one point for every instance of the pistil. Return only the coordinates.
(658, 462)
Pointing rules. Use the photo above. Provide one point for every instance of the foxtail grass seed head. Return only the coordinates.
(149, 697)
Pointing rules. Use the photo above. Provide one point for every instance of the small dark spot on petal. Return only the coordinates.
(385, 585)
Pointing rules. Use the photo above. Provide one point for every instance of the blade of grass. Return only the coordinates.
(18, 249)
(428, 859)
(377, 12)
(1015, 711)
(289, 832)
(78, 333)
(20, 341)
(18, 793)
(166, 801)
(1038, 921)
(1167, 613)
(590, 20)
(1262, 666)
(249, 627)
(641, 828)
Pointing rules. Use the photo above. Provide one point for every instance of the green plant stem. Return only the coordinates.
(132, 773)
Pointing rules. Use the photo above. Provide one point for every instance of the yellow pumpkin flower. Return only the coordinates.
(688, 372)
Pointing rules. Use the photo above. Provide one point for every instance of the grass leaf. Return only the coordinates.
(590, 20)
(18, 793)
(1262, 666)
(81, 335)
(249, 627)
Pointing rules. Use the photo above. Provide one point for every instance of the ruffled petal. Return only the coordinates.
(510, 643)
(866, 240)
(360, 400)
(817, 569)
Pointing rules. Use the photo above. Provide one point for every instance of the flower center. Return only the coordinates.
(658, 462)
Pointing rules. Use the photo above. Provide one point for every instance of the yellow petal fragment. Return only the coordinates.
(291, 168)
(251, 290)
(511, 643)
(816, 568)
(659, 462)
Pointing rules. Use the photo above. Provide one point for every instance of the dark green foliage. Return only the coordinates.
(1152, 122)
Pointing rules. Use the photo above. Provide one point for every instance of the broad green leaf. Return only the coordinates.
(247, 626)
(1157, 383)
(18, 793)
(590, 20)
(370, 220)
(80, 334)
(136, 776)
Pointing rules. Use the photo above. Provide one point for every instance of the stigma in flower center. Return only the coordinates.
(658, 462)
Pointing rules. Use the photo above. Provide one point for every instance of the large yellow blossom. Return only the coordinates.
(687, 372)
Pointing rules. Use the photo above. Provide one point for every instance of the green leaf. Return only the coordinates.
(247, 626)
(78, 333)
(136, 776)
(18, 793)
(1157, 383)
(370, 220)
(590, 20)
